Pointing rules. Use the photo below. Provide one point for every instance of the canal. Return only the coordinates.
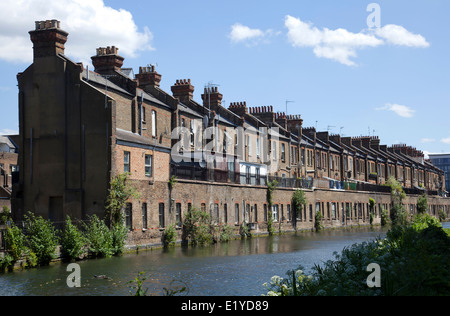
(237, 268)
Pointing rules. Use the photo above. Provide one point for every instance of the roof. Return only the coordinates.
(131, 137)
(6, 140)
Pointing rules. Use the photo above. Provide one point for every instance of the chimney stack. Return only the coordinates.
(212, 98)
(148, 77)
(238, 108)
(48, 39)
(183, 90)
(107, 60)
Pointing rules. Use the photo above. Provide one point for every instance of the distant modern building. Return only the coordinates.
(442, 161)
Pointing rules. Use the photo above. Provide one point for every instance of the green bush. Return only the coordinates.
(15, 242)
(42, 238)
(170, 236)
(119, 234)
(197, 227)
(226, 233)
(6, 262)
(99, 238)
(5, 215)
(414, 260)
(73, 242)
(422, 204)
(384, 217)
(318, 221)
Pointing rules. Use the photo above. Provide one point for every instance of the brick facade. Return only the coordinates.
(80, 128)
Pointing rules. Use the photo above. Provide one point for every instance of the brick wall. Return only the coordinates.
(227, 196)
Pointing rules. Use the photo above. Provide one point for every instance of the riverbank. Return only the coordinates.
(236, 268)
(413, 259)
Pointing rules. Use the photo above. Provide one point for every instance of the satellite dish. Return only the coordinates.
(205, 121)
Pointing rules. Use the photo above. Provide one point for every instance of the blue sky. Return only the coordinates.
(391, 81)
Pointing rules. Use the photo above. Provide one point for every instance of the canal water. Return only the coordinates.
(237, 268)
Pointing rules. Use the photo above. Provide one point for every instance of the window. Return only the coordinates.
(154, 123)
(275, 212)
(215, 214)
(255, 209)
(265, 212)
(178, 214)
(126, 161)
(274, 149)
(161, 215)
(333, 210)
(192, 127)
(225, 213)
(247, 175)
(283, 152)
(143, 113)
(128, 216)
(144, 215)
(249, 145)
(288, 212)
(236, 214)
(258, 176)
(148, 165)
(257, 147)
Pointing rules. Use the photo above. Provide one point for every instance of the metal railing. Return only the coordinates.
(215, 175)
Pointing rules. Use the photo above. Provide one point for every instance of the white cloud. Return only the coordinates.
(341, 45)
(446, 140)
(90, 24)
(398, 35)
(400, 110)
(427, 140)
(241, 33)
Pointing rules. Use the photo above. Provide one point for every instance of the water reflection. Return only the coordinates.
(239, 267)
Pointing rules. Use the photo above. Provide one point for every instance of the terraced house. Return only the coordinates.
(79, 128)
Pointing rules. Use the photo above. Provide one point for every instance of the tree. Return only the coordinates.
(422, 204)
(72, 241)
(297, 202)
(398, 212)
(119, 193)
(42, 238)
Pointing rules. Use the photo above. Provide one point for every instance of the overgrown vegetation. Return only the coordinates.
(196, 227)
(170, 236)
(298, 202)
(5, 215)
(271, 186)
(119, 193)
(42, 238)
(318, 225)
(422, 204)
(73, 241)
(414, 260)
(398, 213)
(384, 217)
